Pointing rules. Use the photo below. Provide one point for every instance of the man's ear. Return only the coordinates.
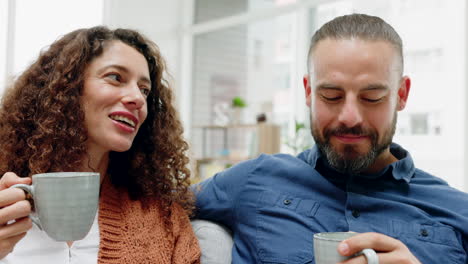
(403, 92)
(308, 90)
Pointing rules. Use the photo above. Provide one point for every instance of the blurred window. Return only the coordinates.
(39, 23)
(261, 58)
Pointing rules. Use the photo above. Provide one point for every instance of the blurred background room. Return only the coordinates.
(237, 68)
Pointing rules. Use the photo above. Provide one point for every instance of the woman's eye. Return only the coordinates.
(114, 77)
(145, 91)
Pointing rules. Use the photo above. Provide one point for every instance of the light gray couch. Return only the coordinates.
(215, 242)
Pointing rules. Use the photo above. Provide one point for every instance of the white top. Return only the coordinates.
(38, 248)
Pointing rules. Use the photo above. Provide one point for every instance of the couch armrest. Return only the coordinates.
(215, 242)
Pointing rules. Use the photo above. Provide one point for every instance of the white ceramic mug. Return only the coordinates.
(326, 248)
(64, 204)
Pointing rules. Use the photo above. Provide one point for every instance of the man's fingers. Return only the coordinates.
(17, 228)
(383, 259)
(375, 241)
(8, 179)
(403, 257)
(357, 260)
(390, 250)
(15, 211)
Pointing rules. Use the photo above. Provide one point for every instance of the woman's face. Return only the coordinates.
(114, 97)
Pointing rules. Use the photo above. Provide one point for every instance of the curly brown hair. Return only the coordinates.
(42, 120)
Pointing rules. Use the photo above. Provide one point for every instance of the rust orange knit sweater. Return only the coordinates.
(131, 234)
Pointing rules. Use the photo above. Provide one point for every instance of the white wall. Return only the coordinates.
(28, 26)
(159, 20)
(38, 24)
(3, 43)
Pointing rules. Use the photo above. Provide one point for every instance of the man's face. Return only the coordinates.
(354, 91)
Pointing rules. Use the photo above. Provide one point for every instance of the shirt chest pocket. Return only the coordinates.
(284, 234)
(431, 241)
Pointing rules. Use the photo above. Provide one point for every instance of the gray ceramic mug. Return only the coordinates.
(326, 248)
(64, 204)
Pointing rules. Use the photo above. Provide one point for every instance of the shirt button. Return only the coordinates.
(287, 202)
(356, 213)
(424, 232)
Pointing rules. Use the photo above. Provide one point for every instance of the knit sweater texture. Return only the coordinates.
(131, 233)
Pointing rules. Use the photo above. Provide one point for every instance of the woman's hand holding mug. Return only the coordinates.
(14, 211)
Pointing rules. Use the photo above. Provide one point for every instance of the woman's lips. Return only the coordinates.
(123, 127)
(125, 121)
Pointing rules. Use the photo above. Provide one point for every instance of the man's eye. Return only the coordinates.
(331, 98)
(370, 100)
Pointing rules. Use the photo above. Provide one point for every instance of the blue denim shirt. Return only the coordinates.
(274, 204)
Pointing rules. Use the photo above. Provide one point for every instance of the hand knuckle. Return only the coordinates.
(24, 207)
(402, 259)
(5, 245)
(376, 237)
(9, 174)
(19, 194)
(28, 223)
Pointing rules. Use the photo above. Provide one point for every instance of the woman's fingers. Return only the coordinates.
(13, 206)
(7, 245)
(19, 227)
(15, 211)
(8, 179)
(11, 196)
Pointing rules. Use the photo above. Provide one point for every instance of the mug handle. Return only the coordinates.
(29, 189)
(370, 255)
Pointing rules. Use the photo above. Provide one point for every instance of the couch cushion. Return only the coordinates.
(215, 242)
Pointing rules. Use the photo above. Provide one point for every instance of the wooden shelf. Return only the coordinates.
(268, 136)
(266, 139)
(228, 126)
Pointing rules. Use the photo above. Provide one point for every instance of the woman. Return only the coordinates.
(97, 100)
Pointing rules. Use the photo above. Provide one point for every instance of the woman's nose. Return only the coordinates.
(134, 96)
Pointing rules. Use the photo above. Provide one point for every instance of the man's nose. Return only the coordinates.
(350, 114)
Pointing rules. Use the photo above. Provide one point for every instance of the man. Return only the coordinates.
(354, 179)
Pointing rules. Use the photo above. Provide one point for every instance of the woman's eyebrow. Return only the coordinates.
(125, 70)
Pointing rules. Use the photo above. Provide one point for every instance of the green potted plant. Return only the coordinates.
(237, 105)
(238, 102)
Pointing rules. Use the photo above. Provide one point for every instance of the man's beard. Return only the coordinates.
(350, 161)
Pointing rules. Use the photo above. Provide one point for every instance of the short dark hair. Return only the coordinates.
(360, 26)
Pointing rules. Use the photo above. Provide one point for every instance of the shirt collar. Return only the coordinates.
(403, 169)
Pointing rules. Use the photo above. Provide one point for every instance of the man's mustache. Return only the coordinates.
(355, 131)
